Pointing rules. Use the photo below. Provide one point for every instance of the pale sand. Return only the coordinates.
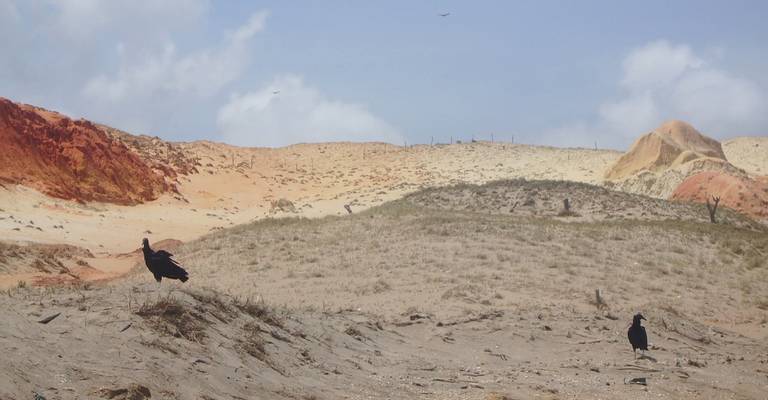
(748, 153)
(447, 294)
(318, 178)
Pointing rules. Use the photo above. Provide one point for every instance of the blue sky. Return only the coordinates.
(564, 73)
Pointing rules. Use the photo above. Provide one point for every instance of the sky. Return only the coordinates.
(273, 73)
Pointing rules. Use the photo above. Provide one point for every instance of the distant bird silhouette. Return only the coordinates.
(275, 91)
(637, 336)
(161, 264)
(444, 14)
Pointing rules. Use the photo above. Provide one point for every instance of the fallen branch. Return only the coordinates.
(632, 367)
(49, 319)
(490, 315)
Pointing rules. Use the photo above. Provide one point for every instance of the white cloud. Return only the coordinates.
(657, 64)
(296, 114)
(200, 73)
(81, 19)
(715, 99)
(662, 81)
(630, 113)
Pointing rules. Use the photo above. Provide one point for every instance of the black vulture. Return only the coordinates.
(637, 336)
(161, 264)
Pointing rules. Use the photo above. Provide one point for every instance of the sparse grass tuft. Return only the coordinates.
(354, 332)
(568, 213)
(754, 261)
(261, 311)
(252, 342)
(170, 316)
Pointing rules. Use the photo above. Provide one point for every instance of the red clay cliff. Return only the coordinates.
(73, 160)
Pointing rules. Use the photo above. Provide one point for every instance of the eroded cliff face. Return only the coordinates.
(71, 159)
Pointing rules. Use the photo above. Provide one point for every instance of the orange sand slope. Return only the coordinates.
(745, 195)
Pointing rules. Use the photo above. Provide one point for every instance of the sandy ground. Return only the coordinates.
(318, 179)
(748, 153)
(238, 185)
(461, 292)
(445, 294)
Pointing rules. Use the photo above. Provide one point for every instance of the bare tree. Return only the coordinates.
(712, 209)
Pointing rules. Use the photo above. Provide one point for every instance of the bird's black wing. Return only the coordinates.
(167, 267)
(642, 339)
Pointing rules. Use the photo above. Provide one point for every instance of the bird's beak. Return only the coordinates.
(641, 317)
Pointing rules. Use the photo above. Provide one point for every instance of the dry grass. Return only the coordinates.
(446, 260)
(252, 343)
(170, 316)
(261, 311)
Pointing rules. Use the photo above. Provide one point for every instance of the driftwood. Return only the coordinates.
(49, 319)
(490, 315)
(633, 367)
(636, 381)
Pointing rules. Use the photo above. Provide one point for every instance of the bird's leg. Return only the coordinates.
(634, 352)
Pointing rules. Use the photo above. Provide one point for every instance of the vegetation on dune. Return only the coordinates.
(484, 256)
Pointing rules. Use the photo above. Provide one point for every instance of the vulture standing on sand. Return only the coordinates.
(161, 264)
(637, 336)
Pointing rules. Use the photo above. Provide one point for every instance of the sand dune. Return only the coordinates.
(421, 297)
(439, 285)
(319, 179)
